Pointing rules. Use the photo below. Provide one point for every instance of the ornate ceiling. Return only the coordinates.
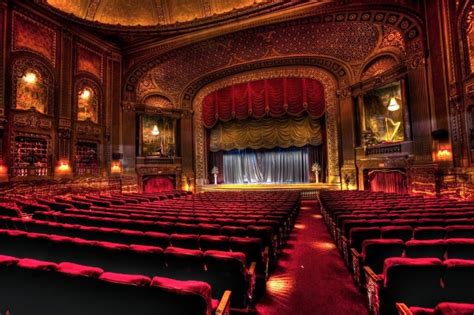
(155, 12)
(349, 43)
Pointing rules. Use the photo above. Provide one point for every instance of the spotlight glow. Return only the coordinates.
(323, 245)
(317, 216)
(300, 226)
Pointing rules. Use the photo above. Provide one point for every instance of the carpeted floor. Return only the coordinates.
(311, 277)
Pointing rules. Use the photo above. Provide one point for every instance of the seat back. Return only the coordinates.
(429, 233)
(425, 249)
(458, 279)
(462, 248)
(402, 232)
(411, 281)
(375, 251)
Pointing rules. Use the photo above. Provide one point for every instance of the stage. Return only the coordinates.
(263, 186)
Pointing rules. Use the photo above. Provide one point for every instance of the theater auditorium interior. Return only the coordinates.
(222, 157)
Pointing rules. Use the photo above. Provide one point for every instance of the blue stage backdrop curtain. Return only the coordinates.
(266, 166)
(279, 165)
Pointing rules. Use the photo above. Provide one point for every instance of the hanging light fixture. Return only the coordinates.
(393, 105)
(155, 131)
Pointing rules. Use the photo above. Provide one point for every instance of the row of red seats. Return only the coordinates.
(133, 214)
(222, 270)
(357, 235)
(375, 251)
(444, 308)
(423, 282)
(371, 230)
(41, 287)
(255, 248)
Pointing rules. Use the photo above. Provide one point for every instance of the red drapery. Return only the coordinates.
(270, 97)
(388, 181)
(158, 184)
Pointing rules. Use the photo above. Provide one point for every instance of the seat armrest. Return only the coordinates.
(252, 280)
(224, 304)
(372, 275)
(356, 266)
(373, 285)
(252, 269)
(266, 254)
(403, 309)
(344, 248)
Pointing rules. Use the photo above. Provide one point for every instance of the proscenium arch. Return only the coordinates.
(339, 70)
(330, 84)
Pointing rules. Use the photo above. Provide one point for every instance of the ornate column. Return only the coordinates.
(129, 137)
(347, 113)
(188, 175)
(65, 84)
(3, 66)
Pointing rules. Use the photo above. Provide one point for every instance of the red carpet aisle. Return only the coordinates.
(311, 277)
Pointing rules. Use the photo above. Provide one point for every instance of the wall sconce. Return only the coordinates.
(30, 78)
(444, 153)
(155, 131)
(3, 171)
(85, 94)
(116, 168)
(393, 105)
(63, 167)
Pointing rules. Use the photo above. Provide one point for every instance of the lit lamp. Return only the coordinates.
(155, 131)
(85, 94)
(444, 153)
(63, 168)
(29, 78)
(393, 105)
(116, 168)
(3, 171)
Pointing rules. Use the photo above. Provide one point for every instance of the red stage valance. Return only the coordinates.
(271, 97)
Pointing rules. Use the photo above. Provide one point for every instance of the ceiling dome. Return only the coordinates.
(152, 12)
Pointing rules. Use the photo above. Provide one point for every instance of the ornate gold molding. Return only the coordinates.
(332, 112)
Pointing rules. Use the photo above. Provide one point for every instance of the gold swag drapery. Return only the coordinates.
(267, 133)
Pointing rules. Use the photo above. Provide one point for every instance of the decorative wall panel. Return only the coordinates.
(33, 36)
(89, 61)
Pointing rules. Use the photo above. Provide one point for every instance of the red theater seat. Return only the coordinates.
(425, 249)
(458, 280)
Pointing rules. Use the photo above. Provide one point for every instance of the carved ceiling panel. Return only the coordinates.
(152, 12)
(350, 43)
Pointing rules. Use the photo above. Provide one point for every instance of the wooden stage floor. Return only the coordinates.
(242, 187)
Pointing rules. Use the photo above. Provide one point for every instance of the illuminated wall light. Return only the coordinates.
(155, 131)
(393, 105)
(317, 216)
(63, 167)
(444, 155)
(3, 169)
(85, 94)
(30, 78)
(116, 167)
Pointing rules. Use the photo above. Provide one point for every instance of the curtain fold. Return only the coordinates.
(266, 166)
(266, 133)
(388, 181)
(264, 98)
(158, 184)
